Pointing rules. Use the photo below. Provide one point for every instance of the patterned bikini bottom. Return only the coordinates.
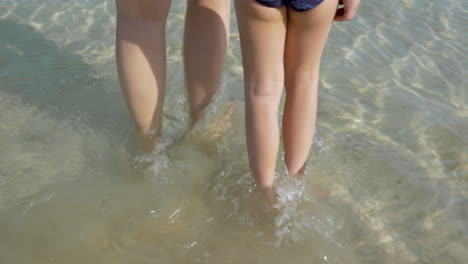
(297, 5)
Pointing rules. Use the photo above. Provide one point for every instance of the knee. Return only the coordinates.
(272, 88)
(154, 10)
(298, 75)
(301, 84)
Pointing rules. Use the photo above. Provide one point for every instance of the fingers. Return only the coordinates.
(348, 11)
(339, 12)
(343, 14)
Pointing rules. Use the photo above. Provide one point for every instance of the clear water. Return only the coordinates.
(388, 174)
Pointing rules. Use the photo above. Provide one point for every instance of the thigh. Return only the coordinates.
(220, 6)
(306, 37)
(262, 31)
(143, 9)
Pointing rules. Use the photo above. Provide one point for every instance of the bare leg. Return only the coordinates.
(263, 32)
(205, 48)
(141, 61)
(306, 36)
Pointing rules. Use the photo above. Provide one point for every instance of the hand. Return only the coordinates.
(347, 12)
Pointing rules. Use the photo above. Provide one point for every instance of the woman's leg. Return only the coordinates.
(141, 60)
(262, 32)
(306, 36)
(205, 47)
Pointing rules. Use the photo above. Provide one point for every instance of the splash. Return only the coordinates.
(151, 163)
(300, 214)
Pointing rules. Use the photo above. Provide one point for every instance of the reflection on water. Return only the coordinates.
(387, 180)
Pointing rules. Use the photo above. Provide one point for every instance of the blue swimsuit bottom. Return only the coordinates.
(298, 5)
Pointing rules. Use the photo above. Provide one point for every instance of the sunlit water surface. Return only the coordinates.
(387, 179)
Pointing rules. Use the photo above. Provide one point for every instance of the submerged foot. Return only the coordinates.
(316, 188)
(218, 126)
(265, 200)
(206, 135)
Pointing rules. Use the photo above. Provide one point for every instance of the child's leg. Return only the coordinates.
(141, 60)
(306, 36)
(205, 47)
(262, 31)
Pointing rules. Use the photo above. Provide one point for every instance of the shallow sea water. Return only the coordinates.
(387, 179)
